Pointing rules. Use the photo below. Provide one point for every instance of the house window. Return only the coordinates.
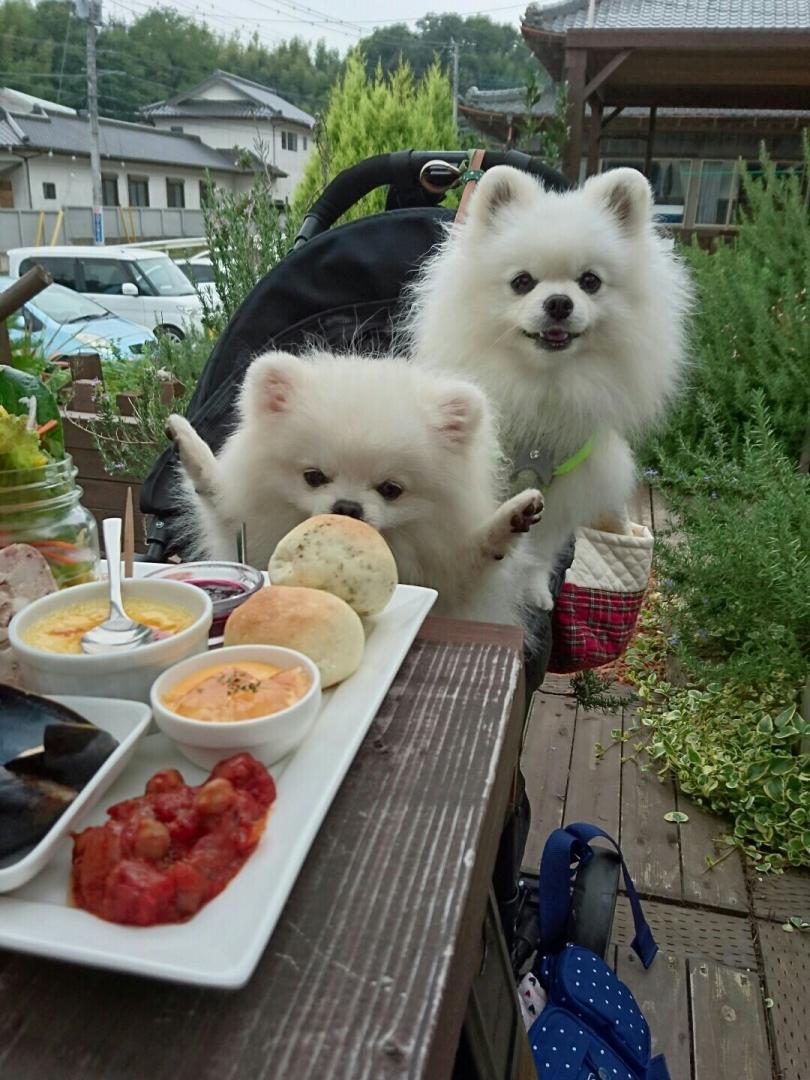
(175, 194)
(718, 182)
(138, 190)
(304, 142)
(48, 190)
(109, 190)
(289, 140)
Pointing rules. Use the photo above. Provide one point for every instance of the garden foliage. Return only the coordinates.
(369, 115)
(733, 599)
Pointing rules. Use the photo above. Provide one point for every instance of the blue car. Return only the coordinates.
(63, 322)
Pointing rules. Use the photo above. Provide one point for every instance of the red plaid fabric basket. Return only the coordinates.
(597, 609)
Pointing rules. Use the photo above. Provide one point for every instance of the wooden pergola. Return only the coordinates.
(610, 69)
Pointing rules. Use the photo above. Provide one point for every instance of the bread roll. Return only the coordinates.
(341, 555)
(313, 622)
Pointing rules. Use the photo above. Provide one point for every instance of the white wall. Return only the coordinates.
(262, 137)
(74, 185)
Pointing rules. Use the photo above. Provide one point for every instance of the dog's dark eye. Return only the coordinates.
(389, 489)
(522, 283)
(315, 478)
(590, 282)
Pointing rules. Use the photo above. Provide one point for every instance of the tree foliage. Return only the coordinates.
(492, 56)
(375, 114)
(162, 51)
(158, 54)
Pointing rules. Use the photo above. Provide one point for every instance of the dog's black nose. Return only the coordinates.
(559, 306)
(348, 509)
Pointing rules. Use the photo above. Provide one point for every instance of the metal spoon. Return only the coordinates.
(118, 631)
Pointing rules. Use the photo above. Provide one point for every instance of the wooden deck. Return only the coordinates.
(722, 947)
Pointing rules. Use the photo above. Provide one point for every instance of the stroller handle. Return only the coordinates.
(403, 167)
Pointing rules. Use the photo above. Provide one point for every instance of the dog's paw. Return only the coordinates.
(177, 429)
(527, 510)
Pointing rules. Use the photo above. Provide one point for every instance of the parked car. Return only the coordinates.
(144, 286)
(200, 272)
(63, 322)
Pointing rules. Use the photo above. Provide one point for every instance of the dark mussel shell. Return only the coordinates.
(47, 755)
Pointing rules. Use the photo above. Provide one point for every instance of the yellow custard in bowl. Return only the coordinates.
(62, 630)
(242, 690)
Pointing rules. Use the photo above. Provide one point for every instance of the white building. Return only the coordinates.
(227, 112)
(45, 164)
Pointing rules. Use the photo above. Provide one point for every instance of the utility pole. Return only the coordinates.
(454, 46)
(90, 10)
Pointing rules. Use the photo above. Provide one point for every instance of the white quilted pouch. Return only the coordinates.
(597, 609)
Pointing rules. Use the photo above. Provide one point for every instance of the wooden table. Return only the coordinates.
(369, 972)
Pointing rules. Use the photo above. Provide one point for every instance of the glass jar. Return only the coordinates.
(41, 507)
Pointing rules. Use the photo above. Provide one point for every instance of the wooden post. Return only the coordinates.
(576, 61)
(595, 133)
(648, 157)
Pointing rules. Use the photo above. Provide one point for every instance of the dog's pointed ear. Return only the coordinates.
(460, 410)
(626, 193)
(271, 383)
(498, 188)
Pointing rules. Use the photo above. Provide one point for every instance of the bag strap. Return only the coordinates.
(469, 180)
(564, 847)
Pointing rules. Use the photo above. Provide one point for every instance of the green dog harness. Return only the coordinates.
(536, 467)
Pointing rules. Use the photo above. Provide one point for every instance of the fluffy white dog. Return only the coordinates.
(411, 452)
(569, 311)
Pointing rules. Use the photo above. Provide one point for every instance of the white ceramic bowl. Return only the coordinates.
(267, 738)
(126, 674)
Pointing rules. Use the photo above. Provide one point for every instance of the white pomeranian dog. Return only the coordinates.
(411, 452)
(569, 311)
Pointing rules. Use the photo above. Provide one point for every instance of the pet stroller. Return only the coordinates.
(341, 288)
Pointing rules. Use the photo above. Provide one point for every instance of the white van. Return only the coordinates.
(144, 286)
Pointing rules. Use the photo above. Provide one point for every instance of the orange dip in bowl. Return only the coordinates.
(230, 693)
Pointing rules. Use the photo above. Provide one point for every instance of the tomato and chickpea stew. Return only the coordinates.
(165, 854)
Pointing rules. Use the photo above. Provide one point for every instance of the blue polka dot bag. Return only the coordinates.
(591, 1028)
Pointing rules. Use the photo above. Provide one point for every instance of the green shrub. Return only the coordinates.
(741, 570)
(375, 115)
(129, 447)
(247, 234)
(751, 330)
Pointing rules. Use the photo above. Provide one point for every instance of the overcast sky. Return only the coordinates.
(339, 22)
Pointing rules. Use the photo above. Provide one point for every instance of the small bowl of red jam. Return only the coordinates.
(228, 584)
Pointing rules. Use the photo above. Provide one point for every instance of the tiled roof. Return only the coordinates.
(263, 101)
(565, 15)
(513, 102)
(128, 142)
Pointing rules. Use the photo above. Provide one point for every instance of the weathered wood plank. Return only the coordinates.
(786, 960)
(557, 684)
(662, 993)
(368, 972)
(594, 783)
(691, 933)
(780, 896)
(729, 1024)
(649, 844)
(545, 763)
(722, 887)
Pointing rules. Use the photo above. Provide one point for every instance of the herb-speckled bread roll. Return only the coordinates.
(313, 622)
(341, 555)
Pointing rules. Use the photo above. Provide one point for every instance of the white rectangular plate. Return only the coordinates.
(221, 945)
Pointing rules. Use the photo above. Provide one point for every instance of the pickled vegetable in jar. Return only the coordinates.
(42, 507)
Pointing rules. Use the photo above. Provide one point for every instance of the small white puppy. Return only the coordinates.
(569, 311)
(410, 452)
